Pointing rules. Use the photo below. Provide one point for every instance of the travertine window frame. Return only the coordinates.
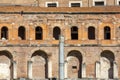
(118, 2)
(75, 2)
(5, 33)
(98, 1)
(22, 32)
(46, 4)
(38, 33)
(91, 33)
(107, 33)
(56, 32)
(74, 33)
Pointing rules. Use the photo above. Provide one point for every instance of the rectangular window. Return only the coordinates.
(99, 3)
(74, 67)
(75, 4)
(52, 5)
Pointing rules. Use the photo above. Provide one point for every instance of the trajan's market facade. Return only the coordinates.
(29, 39)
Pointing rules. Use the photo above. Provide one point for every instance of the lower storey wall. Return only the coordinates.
(43, 62)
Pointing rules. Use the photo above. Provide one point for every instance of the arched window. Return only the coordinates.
(56, 33)
(91, 33)
(74, 33)
(21, 32)
(4, 32)
(107, 33)
(38, 33)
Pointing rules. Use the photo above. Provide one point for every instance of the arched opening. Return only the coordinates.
(38, 33)
(107, 59)
(91, 33)
(107, 33)
(21, 32)
(39, 65)
(74, 33)
(74, 64)
(4, 32)
(6, 66)
(56, 33)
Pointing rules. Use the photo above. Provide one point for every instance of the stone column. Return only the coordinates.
(14, 70)
(115, 70)
(30, 69)
(97, 69)
(83, 70)
(50, 69)
(66, 76)
(61, 57)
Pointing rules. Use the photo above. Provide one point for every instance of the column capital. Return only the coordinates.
(61, 38)
(30, 61)
(114, 62)
(97, 61)
(14, 62)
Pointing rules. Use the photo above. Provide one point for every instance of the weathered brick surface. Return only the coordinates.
(62, 3)
(47, 49)
(90, 56)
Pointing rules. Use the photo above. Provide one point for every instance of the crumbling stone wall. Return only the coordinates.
(90, 50)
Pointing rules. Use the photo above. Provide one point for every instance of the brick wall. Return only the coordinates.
(21, 51)
(62, 3)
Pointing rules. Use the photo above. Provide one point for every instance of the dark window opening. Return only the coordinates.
(4, 32)
(74, 33)
(119, 2)
(74, 67)
(56, 33)
(38, 33)
(21, 32)
(107, 33)
(100, 3)
(91, 33)
(75, 4)
(52, 4)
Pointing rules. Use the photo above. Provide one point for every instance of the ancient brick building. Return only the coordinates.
(29, 38)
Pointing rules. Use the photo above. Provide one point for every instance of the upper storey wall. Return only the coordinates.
(60, 3)
(16, 1)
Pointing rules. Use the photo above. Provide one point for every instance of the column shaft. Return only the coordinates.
(61, 58)
(14, 70)
(83, 70)
(97, 69)
(30, 69)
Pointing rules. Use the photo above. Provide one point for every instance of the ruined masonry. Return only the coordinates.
(29, 39)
